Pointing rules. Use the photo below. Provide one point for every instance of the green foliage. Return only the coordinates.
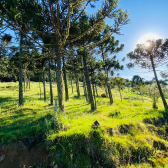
(119, 82)
(137, 81)
(125, 137)
(154, 93)
(142, 55)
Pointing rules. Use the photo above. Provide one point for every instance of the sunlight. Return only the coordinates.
(150, 36)
(147, 44)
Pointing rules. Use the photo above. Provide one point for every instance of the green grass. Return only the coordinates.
(132, 133)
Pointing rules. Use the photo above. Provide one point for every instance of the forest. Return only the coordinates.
(63, 102)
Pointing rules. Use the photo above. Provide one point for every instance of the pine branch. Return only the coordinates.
(68, 27)
(19, 29)
(80, 13)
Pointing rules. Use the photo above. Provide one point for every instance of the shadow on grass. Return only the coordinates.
(133, 98)
(5, 99)
(30, 98)
(151, 111)
(21, 126)
(79, 98)
(157, 121)
(37, 98)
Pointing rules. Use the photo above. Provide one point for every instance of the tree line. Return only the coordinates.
(61, 34)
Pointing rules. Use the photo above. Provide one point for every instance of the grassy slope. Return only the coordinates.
(132, 133)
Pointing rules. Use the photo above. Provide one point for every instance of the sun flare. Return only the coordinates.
(150, 36)
(147, 44)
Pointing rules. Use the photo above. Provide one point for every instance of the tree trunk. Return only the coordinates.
(60, 85)
(106, 85)
(96, 90)
(94, 94)
(29, 82)
(77, 86)
(105, 88)
(85, 89)
(65, 80)
(44, 84)
(50, 80)
(89, 89)
(109, 89)
(40, 88)
(110, 93)
(71, 85)
(20, 82)
(158, 84)
(154, 103)
(24, 85)
(56, 74)
(25, 80)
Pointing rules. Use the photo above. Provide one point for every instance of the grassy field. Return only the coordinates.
(132, 133)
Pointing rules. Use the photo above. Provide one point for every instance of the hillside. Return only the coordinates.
(131, 133)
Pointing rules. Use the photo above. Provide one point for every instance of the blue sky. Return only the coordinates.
(147, 16)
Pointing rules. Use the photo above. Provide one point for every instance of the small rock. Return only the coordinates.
(96, 124)
(2, 158)
(103, 95)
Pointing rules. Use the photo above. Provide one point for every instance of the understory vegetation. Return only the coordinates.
(127, 134)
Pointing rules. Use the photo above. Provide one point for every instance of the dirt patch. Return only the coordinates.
(17, 156)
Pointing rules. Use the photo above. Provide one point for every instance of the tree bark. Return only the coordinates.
(56, 74)
(44, 84)
(71, 85)
(158, 84)
(89, 89)
(25, 80)
(20, 74)
(40, 88)
(77, 86)
(50, 80)
(29, 82)
(110, 93)
(65, 81)
(20, 82)
(109, 89)
(85, 89)
(94, 93)
(154, 103)
(60, 85)
(105, 88)
(96, 90)
(106, 85)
